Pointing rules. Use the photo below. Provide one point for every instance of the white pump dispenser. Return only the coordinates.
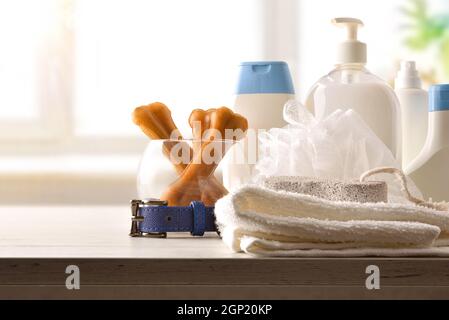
(351, 86)
(350, 50)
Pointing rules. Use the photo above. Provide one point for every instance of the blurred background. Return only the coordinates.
(72, 71)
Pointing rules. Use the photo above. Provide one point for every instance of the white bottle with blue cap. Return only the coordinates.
(263, 89)
(430, 169)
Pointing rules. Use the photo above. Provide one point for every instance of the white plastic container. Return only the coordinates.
(351, 86)
(414, 101)
(430, 170)
(263, 89)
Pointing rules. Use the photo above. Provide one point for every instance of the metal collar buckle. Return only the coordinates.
(136, 217)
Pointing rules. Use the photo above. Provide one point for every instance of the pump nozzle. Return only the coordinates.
(351, 23)
(408, 76)
(350, 50)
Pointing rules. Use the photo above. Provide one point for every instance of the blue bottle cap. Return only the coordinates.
(439, 97)
(264, 77)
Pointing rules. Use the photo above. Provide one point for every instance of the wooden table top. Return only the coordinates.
(94, 232)
(38, 243)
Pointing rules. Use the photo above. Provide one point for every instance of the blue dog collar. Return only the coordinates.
(153, 218)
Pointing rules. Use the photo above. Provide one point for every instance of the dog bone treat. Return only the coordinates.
(156, 122)
(334, 190)
(199, 121)
(194, 180)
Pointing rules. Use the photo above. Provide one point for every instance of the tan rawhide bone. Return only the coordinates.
(199, 121)
(156, 122)
(194, 180)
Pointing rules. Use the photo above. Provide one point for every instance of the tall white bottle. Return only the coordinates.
(430, 170)
(262, 90)
(351, 86)
(414, 104)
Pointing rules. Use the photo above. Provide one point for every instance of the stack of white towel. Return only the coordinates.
(266, 222)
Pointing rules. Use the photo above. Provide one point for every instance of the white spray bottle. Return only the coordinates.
(414, 101)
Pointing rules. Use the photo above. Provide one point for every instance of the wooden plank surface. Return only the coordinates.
(37, 244)
(93, 232)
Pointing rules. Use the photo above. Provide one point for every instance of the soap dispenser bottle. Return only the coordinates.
(351, 86)
(430, 169)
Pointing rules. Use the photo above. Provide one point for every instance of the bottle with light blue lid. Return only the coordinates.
(439, 98)
(264, 77)
(430, 169)
(263, 88)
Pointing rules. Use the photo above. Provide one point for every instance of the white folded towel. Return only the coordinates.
(266, 222)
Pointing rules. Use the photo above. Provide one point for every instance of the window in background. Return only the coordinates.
(72, 71)
(183, 53)
(17, 59)
(32, 37)
(75, 69)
